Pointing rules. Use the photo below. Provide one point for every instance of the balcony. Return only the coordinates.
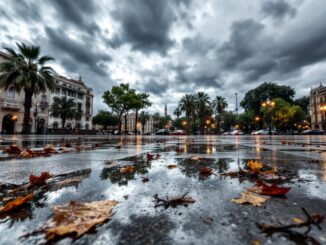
(43, 104)
(8, 104)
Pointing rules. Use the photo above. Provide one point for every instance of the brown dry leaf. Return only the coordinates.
(255, 242)
(12, 149)
(77, 218)
(249, 197)
(19, 201)
(127, 170)
(195, 157)
(38, 180)
(254, 165)
(49, 149)
(28, 153)
(170, 166)
(118, 146)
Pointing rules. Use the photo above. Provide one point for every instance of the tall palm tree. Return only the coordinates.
(202, 102)
(219, 105)
(156, 118)
(143, 118)
(63, 108)
(177, 112)
(187, 104)
(27, 71)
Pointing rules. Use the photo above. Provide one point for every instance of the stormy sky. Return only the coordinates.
(171, 47)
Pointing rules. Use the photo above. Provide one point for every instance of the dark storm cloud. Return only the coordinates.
(146, 24)
(77, 51)
(155, 87)
(198, 45)
(278, 9)
(80, 13)
(25, 10)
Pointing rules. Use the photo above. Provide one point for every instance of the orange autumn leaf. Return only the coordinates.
(205, 171)
(49, 149)
(170, 166)
(16, 203)
(195, 157)
(28, 153)
(77, 218)
(127, 170)
(39, 180)
(250, 198)
(12, 149)
(271, 190)
(254, 166)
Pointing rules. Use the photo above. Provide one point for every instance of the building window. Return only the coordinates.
(86, 126)
(57, 90)
(11, 92)
(80, 96)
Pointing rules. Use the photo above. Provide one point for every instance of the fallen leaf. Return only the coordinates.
(254, 165)
(170, 166)
(27, 153)
(77, 218)
(271, 190)
(250, 198)
(50, 149)
(127, 170)
(110, 162)
(16, 203)
(205, 171)
(118, 146)
(195, 157)
(297, 220)
(12, 149)
(38, 180)
(152, 156)
(255, 242)
(145, 179)
(174, 201)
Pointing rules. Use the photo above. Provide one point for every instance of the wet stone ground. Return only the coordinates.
(211, 219)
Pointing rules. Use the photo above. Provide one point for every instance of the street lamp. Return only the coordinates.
(268, 104)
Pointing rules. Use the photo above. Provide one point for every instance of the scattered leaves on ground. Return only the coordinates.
(271, 190)
(76, 218)
(12, 149)
(254, 166)
(205, 171)
(173, 201)
(152, 156)
(171, 166)
(16, 203)
(250, 198)
(145, 179)
(127, 170)
(38, 180)
(194, 157)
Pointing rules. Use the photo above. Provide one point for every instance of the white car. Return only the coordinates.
(236, 132)
(260, 132)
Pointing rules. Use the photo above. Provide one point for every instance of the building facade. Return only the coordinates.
(12, 106)
(318, 107)
(131, 121)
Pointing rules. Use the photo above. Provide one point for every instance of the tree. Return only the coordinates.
(116, 100)
(26, 71)
(246, 120)
(143, 118)
(254, 97)
(202, 102)
(228, 120)
(219, 104)
(105, 119)
(156, 118)
(141, 101)
(177, 112)
(63, 108)
(187, 104)
(304, 103)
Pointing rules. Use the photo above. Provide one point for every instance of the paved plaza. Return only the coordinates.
(212, 219)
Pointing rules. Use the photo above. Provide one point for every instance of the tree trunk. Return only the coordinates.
(27, 112)
(120, 123)
(126, 123)
(63, 122)
(143, 127)
(136, 120)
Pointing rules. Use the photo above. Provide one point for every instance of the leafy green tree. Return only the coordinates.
(304, 103)
(219, 105)
(177, 112)
(254, 97)
(105, 119)
(141, 101)
(202, 102)
(228, 119)
(143, 118)
(246, 120)
(117, 99)
(187, 104)
(63, 108)
(27, 71)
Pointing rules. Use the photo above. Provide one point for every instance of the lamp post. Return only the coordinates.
(268, 104)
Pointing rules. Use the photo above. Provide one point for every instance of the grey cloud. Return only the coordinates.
(198, 45)
(278, 9)
(145, 24)
(80, 52)
(155, 87)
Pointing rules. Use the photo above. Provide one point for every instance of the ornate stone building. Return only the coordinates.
(318, 107)
(131, 120)
(12, 106)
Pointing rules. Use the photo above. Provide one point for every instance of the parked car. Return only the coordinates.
(236, 132)
(313, 132)
(162, 132)
(260, 132)
(178, 132)
(226, 133)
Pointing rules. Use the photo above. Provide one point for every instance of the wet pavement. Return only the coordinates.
(212, 219)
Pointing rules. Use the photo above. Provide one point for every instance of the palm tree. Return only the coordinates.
(26, 71)
(143, 118)
(186, 104)
(63, 108)
(156, 118)
(202, 102)
(177, 112)
(219, 105)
